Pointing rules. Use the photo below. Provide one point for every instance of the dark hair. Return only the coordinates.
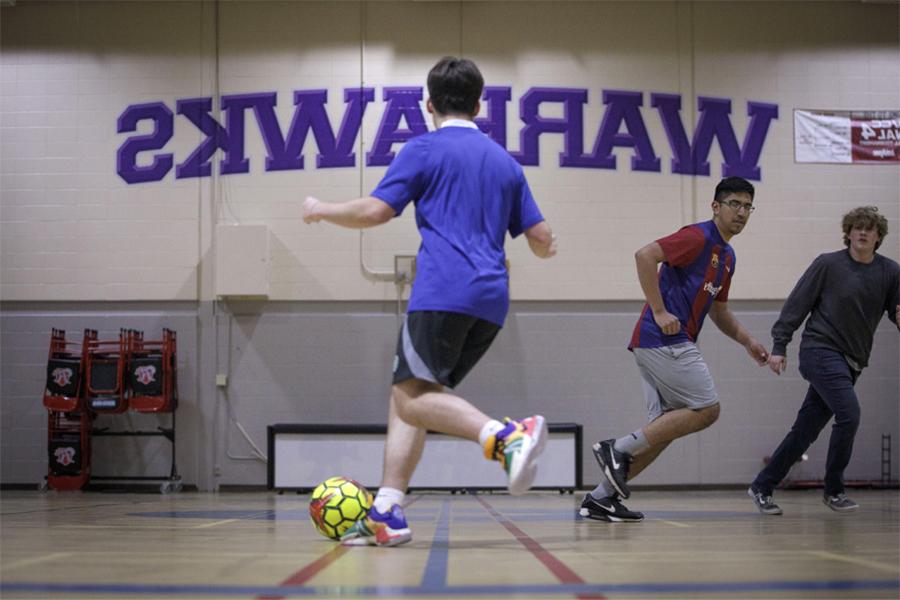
(733, 185)
(455, 86)
(866, 217)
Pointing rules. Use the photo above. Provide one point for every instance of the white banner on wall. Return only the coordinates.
(866, 137)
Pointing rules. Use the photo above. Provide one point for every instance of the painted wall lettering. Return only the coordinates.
(623, 126)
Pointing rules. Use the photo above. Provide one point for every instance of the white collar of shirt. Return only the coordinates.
(459, 123)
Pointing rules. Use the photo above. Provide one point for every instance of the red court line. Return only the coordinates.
(563, 573)
(311, 570)
(317, 566)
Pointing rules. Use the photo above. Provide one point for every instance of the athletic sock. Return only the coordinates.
(604, 490)
(386, 498)
(489, 429)
(632, 443)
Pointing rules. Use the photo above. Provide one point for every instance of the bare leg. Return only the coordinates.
(643, 459)
(670, 426)
(402, 450)
(426, 405)
(679, 423)
(417, 406)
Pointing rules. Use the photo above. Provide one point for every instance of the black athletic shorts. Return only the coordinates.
(441, 347)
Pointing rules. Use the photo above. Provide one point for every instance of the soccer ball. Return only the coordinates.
(336, 504)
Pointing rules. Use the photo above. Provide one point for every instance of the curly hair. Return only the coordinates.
(866, 217)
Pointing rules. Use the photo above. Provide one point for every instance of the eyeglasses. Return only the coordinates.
(737, 205)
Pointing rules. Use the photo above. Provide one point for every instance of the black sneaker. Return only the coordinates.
(614, 465)
(608, 509)
(840, 503)
(764, 502)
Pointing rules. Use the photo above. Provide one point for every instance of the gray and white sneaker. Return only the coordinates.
(840, 503)
(608, 509)
(763, 502)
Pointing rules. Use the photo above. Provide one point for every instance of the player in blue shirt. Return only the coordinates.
(697, 267)
(468, 194)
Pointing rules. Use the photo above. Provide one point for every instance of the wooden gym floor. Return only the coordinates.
(693, 544)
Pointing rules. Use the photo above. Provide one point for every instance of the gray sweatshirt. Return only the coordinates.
(844, 300)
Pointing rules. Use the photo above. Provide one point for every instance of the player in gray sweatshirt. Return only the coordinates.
(845, 293)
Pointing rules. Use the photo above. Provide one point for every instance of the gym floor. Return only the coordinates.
(693, 544)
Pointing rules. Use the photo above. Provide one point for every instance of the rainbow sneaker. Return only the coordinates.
(517, 447)
(379, 529)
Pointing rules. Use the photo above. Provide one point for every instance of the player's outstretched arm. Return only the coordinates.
(725, 320)
(541, 240)
(647, 260)
(353, 214)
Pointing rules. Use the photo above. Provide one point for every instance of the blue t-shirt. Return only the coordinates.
(697, 271)
(468, 192)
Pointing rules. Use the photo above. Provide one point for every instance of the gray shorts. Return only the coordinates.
(675, 377)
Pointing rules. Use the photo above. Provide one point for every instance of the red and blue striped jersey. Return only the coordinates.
(697, 270)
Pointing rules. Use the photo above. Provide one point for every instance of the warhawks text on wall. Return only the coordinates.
(623, 108)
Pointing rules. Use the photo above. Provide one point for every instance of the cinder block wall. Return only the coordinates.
(111, 188)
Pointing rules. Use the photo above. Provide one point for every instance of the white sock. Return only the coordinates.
(386, 498)
(489, 429)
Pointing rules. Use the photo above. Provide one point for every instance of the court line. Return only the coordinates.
(505, 590)
(559, 569)
(675, 523)
(24, 562)
(214, 523)
(314, 568)
(66, 509)
(434, 577)
(856, 561)
(224, 521)
(128, 526)
(307, 572)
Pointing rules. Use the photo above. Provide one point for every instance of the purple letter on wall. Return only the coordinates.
(621, 106)
(402, 102)
(570, 125)
(263, 105)
(494, 124)
(691, 159)
(197, 164)
(310, 115)
(126, 156)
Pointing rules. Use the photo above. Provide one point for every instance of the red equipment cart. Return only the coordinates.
(64, 369)
(152, 373)
(104, 372)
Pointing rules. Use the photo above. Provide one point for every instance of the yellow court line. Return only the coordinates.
(36, 560)
(856, 561)
(214, 523)
(675, 523)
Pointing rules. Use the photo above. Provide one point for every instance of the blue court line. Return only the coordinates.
(435, 575)
(563, 515)
(462, 516)
(460, 590)
(296, 514)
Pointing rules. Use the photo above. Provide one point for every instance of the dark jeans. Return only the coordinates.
(830, 393)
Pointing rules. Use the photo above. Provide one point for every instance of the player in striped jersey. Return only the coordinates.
(693, 281)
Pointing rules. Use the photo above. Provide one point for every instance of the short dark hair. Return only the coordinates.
(866, 217)
(733, 185)
(455, 86)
